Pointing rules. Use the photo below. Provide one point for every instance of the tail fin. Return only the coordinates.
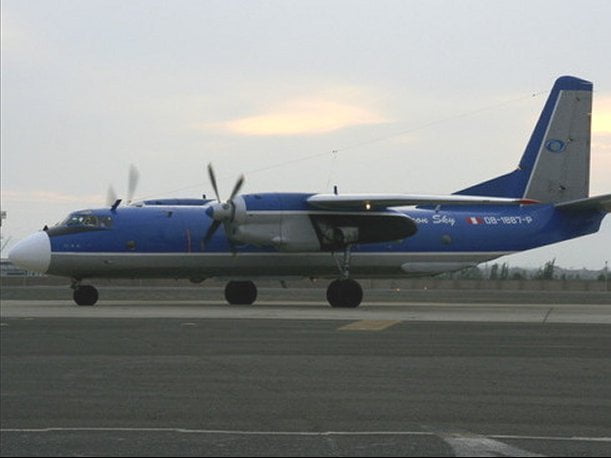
(555, 166)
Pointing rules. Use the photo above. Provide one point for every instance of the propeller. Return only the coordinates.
(221, 212)
(132, 182)
(111, 196)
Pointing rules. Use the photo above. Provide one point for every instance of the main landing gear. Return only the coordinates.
(241, 292)
(345, 292)
(341, 293)
(84, 294)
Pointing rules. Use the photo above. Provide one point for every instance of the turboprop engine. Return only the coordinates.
(288, 223)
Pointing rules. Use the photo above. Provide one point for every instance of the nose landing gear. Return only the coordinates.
(84, 294)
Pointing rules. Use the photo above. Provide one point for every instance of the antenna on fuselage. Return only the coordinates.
(115, 205)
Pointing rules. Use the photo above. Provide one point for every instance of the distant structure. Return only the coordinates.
(3, 243)
(6, 267)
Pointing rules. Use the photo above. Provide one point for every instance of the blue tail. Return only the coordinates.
(555, 166)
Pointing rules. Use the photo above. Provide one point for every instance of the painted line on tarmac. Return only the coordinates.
(469, 444)
(551, 438)
(369, 325)
(218, 431)
(603, 439)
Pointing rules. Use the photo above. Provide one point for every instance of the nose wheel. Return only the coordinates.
(85, 295)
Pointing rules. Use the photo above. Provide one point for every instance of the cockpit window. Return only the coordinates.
(105, 221)
(90, 220)
(87, 220)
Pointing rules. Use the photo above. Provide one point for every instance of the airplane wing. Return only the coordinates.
(376, 201)
(598, 203)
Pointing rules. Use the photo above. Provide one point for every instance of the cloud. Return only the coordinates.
(601, 144)
(50, 197)
(601, 125)
(601, 115)
(302, 116)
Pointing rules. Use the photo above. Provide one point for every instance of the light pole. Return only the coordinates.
(2, 244)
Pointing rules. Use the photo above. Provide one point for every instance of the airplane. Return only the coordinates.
(341, 237)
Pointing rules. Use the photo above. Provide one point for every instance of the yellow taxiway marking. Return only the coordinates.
(369, 325)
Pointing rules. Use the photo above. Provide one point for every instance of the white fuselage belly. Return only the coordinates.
(253, 265)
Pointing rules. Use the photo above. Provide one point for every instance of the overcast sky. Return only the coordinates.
(374, 96)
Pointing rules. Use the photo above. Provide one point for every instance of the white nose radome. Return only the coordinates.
(33, 253)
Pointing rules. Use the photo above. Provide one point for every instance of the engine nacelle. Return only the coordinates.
(337, 230)
(290, 233)
(262, 220)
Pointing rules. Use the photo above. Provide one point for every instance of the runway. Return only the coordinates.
(298, 378)
(316, 310)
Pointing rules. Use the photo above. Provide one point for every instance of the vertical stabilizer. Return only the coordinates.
(555, 166)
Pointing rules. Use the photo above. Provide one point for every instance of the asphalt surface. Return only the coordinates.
(213, 380)
(397, 295)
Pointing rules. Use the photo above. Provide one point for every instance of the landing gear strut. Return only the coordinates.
(85, 294)
(241, 292)
(345, 292)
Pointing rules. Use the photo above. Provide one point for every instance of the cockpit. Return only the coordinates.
(81, 221)
(87, 219)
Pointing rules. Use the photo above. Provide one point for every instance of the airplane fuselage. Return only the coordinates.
(544, 200)
(167, 241)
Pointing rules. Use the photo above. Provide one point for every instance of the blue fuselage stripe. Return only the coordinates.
(476, 229)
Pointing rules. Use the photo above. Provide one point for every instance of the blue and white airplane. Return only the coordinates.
(338, 236)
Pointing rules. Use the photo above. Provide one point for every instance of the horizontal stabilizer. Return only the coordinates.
(376, 201)
(598, 203)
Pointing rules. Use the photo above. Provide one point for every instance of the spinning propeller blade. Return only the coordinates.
(211, 230)
(132, 182)
(221, 212)
(237, 187)
(111, 196)
(213, 181)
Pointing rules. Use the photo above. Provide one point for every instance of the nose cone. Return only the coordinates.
(33, 253)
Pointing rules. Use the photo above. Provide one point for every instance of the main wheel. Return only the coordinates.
(85, 295)
(345, 293)
(241, 292)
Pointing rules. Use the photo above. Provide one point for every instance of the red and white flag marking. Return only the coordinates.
(475, 220)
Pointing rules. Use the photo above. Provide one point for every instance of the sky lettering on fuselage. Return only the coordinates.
(444, 219)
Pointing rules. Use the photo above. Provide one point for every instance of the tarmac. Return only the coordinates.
(291, 376)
